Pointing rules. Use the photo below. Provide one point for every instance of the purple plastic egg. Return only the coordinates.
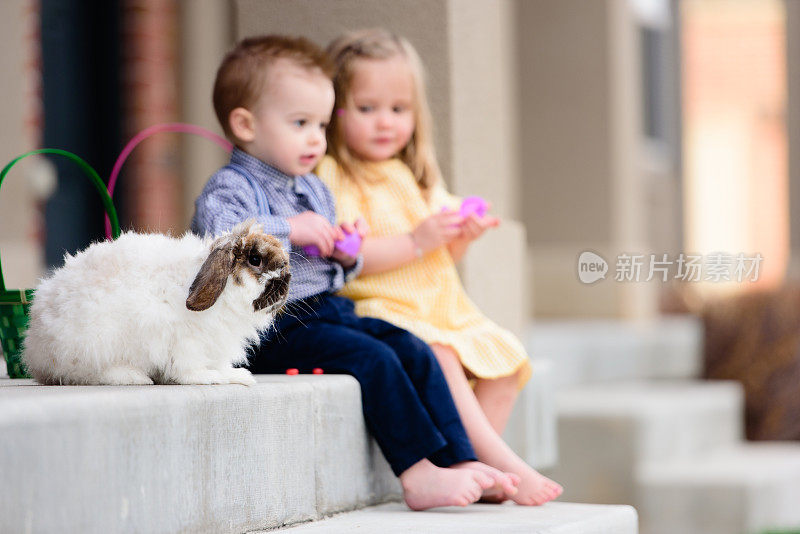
(475, 205)
(350, 245)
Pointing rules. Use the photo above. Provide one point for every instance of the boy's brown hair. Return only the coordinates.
(242, 75)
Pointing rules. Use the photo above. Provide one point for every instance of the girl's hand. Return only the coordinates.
(311, 228)
(471, 230)
(361, 227)
(475, 226)
(437, 230)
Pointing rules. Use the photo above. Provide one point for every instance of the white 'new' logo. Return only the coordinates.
(591, 267)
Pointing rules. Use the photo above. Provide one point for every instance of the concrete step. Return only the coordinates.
(552, 518)
(206, 458)
(748, 488)
(185, 458)
(605, 431)
(587, 351)
(531, 428)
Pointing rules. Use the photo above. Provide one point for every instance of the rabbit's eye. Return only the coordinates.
(255, 260)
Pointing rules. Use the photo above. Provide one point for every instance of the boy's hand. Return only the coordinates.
(311, 228)
(343, 258)
(437, 230)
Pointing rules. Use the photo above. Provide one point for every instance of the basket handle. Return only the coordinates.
(179, 127)
(108, 204)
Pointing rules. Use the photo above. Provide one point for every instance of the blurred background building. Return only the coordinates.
(621, 127)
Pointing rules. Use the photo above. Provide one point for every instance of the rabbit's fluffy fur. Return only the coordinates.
(151, 308)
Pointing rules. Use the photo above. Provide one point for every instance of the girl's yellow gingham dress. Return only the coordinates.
(425, 296)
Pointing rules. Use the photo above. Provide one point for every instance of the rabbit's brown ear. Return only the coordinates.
(211, 278)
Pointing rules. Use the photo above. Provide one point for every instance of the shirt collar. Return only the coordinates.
(263, 170)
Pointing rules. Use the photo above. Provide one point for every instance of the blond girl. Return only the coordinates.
(382, 167)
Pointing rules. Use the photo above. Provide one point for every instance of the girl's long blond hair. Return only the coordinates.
(419, 154)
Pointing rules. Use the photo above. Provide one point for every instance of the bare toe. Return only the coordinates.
(506, 482)
(493, 496)
(483, 480)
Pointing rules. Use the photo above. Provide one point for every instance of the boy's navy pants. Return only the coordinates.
(407, 404)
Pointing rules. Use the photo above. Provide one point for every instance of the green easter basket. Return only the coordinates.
(15, 303)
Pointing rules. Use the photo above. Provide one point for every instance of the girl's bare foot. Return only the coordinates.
(535, 488)
(505, 484)
(428, 486)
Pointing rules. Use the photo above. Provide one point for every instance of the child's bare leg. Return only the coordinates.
(428, 486)
(533, 488)
(496, 398)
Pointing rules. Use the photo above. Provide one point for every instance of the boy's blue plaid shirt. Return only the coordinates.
(228, 199)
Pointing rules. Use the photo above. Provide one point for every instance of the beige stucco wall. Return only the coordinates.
(484, 139)
(206, 35)
(587, 181)
(565, 117)
(484, 102)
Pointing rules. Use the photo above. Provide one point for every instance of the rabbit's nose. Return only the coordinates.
(277, 262)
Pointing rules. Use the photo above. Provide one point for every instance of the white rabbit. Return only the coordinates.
(151, 308)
